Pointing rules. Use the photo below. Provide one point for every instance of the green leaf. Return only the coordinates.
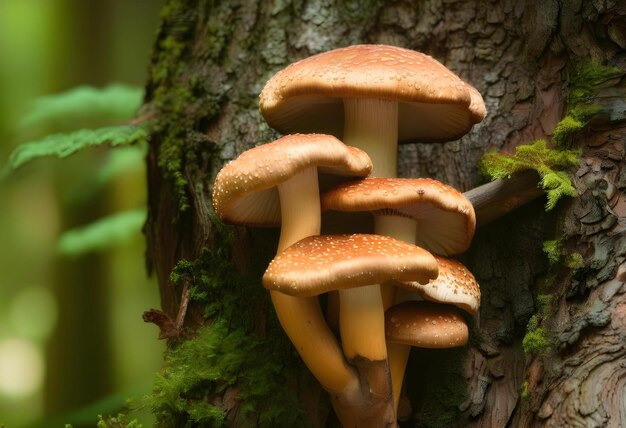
(63, 145)
(83, 106)
(103, 233)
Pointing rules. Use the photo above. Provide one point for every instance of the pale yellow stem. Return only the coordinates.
(300, 317)
(362, 323)
(398, 227)
(404, 229)
(372, 126)
(398, 359)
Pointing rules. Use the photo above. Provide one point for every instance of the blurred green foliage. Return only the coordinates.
(83, 106)
(102, 234)
(47, 46)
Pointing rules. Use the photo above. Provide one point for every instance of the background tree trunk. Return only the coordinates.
(210, 61)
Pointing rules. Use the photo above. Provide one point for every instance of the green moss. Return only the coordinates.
(543, 302)
(574, 261)
(536, 341)
(119, 421)
(584, 77)
(229, 352)
(548, 162)
(552, 249)
(220, 357)
(181, 95)
(566, 127)
(524, 391)
(551, 162)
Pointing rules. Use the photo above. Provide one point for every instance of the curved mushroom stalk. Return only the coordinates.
(301, 317)
(245, 193)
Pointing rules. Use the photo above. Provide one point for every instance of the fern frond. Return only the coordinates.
(85, 106)
(103, 233)
(64, 145)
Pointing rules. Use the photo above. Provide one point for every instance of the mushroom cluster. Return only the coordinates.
(344, 113)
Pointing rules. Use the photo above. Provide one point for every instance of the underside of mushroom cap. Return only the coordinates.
(245, 191)
(319, 264)
(434, 102)
(445, 218)
(425, 325)
(455, 285)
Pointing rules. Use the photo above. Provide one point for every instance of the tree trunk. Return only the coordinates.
(210, 61)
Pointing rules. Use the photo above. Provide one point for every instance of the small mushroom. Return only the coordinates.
(278, 182)
(350, 264)
(455, 286)
(372, 96)
(422, 325)
(423, 211)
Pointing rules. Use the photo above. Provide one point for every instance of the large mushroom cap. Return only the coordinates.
(425, 325)
(319, 264)
(455, 285)
(445, 218)
(245, 189)
(435, 104)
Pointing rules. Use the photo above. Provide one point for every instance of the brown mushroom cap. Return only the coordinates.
(425, 325)
(245, 189)
(445, 218)
(455, 285)
(434, 102)
(319, 264)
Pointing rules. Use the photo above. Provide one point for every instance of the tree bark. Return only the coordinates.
(211, 60)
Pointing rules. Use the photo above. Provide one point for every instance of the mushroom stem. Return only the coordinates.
(301, 317)
(398, 359)
(405, 229)
(362, 323)
(299, 208)
(399, 227)
(372, 126)
(362, 326)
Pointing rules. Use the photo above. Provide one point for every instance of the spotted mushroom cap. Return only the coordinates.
(455, 285)
(435, 104)
(245, 190)
(445, 218)
(425, 325)
(319, 264)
